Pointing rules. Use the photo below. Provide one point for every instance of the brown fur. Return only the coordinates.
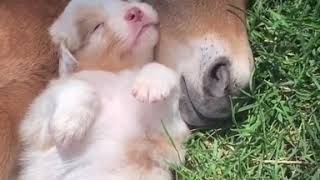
(28, 60)
(142, 152)
(189, 19)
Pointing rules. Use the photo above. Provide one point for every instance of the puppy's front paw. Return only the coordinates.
(149, 90)
(154, 83)
(75, 112)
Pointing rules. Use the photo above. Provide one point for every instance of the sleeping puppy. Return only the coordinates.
(117, 117)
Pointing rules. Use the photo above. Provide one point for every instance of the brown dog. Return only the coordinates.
(204, 40)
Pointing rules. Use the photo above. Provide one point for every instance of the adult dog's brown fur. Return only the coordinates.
(28, 59)
(27, 62)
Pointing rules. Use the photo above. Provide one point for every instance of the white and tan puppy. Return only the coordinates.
(95, 124)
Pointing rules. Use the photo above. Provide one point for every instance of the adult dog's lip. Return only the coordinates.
(189, 109)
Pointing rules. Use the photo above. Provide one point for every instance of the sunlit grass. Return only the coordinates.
(279, 137)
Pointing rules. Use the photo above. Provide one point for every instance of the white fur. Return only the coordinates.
(154, 83)
(89, 125)
(70, 103)
(76, 107)
(64, 29)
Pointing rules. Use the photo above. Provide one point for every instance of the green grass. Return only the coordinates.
(279, 137)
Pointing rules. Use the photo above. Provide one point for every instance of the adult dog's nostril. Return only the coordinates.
(134, 15)
(217, 71)
(217, 79)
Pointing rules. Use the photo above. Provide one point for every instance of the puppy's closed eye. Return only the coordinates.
(87, 27)
(97, 27)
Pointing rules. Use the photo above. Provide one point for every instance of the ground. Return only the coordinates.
(276, 131)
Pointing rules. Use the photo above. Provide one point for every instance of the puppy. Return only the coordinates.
(116, 118)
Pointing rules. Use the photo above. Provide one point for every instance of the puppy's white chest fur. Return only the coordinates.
(127, 140)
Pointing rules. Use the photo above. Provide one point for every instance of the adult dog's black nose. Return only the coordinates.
(212, 108)
(209, 110)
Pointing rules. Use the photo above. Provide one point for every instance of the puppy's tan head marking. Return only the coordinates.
(107, 34)
(152, 152)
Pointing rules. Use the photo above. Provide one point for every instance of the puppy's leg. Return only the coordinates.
(62, 114)
(154, 83)
(76, 108)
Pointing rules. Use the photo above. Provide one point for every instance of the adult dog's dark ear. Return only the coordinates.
(67, 62)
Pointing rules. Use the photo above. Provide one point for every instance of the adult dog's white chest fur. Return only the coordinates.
(128, 139)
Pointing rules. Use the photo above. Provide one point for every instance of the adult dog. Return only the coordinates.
(204, 40)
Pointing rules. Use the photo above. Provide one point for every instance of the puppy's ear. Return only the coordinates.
(64, 34)
(67, 62)
(64, 29)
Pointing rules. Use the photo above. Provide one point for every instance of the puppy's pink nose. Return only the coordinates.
(134, 15)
